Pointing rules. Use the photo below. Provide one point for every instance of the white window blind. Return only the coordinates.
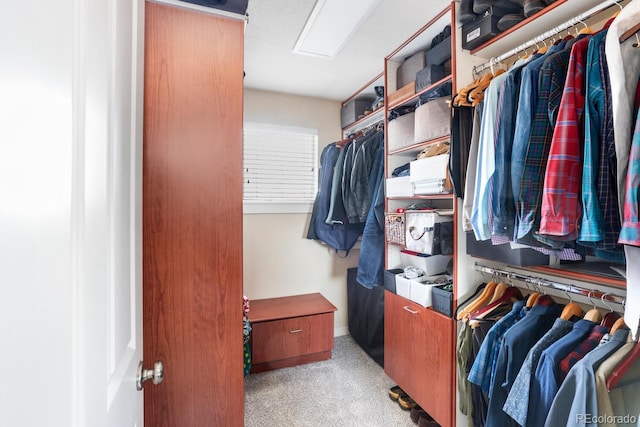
(280, 168)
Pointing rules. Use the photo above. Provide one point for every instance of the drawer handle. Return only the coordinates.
(406, 307)
(295, 331)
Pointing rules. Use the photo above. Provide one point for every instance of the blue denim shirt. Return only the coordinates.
(516, 343)
(502, 203)
(546, 382)
(577, 395)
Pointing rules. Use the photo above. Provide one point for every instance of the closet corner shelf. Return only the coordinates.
(586, 277)
(516, 27)
(368, 120)
(447, 196)
(420, 145)
(411, 97)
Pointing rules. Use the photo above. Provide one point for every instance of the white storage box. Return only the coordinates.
(432, 120)
(428, 232)
(438, 186)
(404, 285)
(399, 187)
(420, 291)
(429, 169)
(431, 265)
(400, 131)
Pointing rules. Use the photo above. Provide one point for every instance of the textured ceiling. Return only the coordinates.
(274, 27)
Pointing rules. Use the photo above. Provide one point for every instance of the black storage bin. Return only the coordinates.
(438, 54)
(365, 312)
(442, 300)
(428, 76)
(390, 279)
(234, 6)
(481, 29)
(503, 253)
(351, 111)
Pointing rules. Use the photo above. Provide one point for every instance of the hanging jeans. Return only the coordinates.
(371, 262)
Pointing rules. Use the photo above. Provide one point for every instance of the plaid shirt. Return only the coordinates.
(552, 77)
(591, 342)
(561, 208)
(630, 233)
(600, 221)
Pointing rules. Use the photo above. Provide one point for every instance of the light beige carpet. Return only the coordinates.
(350, 389)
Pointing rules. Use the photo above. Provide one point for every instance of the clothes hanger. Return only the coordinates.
(618, 11)
(618, 324)
(626, 364)
(510, 293)
(533, 296)
(571, 309)
(611, 316)
(543, 299)
(476, 294)
(594, 314)
(484, 297)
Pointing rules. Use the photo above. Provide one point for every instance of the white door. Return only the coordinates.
(70, 212)
(111, 224)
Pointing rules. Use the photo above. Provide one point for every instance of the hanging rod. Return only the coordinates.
(565, 25)
(536, 281)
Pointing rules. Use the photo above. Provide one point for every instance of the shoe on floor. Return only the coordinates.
(395, 392)
(425, 422)
(417, 412)
(406, 402)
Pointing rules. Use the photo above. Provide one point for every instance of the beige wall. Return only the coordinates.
(278, 259)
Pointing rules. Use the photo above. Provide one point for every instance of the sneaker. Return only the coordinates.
(406, 402)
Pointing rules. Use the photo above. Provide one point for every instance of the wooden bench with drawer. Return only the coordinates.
(290, 331)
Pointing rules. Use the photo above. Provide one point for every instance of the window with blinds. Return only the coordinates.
(280, 168)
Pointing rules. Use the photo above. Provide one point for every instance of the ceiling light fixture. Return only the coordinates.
(330, 25)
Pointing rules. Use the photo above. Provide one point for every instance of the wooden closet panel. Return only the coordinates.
(418, 355)
(192, 216)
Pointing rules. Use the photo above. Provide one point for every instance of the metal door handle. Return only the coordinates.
(406, 307)
(156, 374)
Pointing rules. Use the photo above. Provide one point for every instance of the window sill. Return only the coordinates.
(276, 208)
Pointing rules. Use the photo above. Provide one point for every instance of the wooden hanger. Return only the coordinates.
(498, 291)
(571, 309)
(618, 324)
(594, 314)
(482, 300)
(623, 367)
(545, 300)
(531, 301)
(609, 319)
(631, 31)
(510, 293)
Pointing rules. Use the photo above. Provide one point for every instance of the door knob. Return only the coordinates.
(156, 374)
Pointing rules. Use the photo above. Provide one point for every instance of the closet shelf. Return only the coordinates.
(448, 196)
(366, 121)
(407, 100)
(577, 275)
(563, 10)
(517, 27)
(420, 145)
